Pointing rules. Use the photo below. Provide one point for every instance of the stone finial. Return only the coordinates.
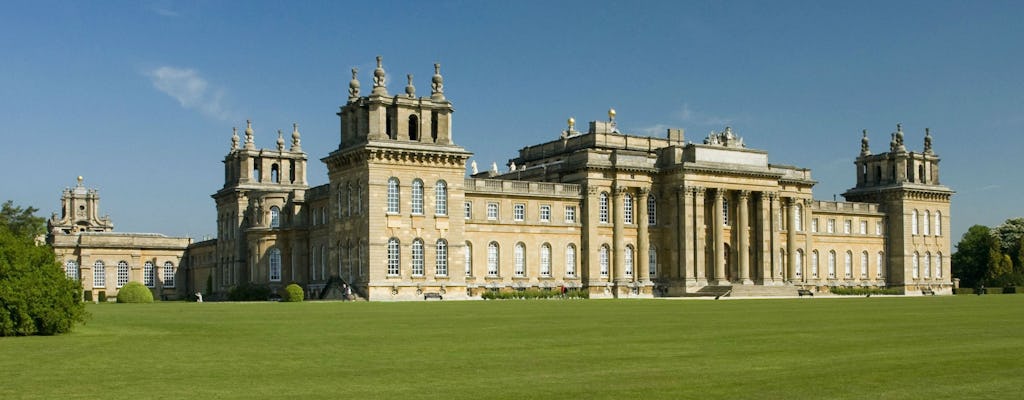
(927, 141)
(410, 90)
(572, 124)
(380, 78)
(296, 141)
(280, 141)
(234, 138)
(892, 142)
(512, 166)
(472, 166)
(611, 115)
(899, 136)
(249, 144)
(353, 85)
(864, 149)
(494, 167)
(80, 179)
(437, 84)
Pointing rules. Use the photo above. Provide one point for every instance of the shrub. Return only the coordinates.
(292, 293)
(134, 292)
(963, 291)
(250, 292)
(528, 294)
(861, 291)
(1010, 290)
(994, 290)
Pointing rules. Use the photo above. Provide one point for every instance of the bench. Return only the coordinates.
(432, 295)
(927, 291)
(804, 292)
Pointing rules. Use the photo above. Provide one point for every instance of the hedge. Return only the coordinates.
(250, 292)
(534, 294)
(862, 291)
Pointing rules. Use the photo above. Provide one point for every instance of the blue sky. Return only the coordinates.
(140, 97)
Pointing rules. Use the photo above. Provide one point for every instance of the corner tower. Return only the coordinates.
(907, 189)
(396, 189)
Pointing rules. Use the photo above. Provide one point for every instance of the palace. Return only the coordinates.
(602, 211)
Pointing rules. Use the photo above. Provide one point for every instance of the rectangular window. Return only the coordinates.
(847, 226)
(627, 209)
(148, 274)
(878, 228)
(468, 206)
(122, 274)
(831, 225)
(570, 214)
(863, 227)
(492, 211)
(814, 225)
(519, 212)
(441, 262)
(545, 213)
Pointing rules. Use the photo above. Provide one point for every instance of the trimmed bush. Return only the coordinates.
(292, 293)
(861, 291)
(963, 291)
(250, 292)
(134, 292)
(554, 293)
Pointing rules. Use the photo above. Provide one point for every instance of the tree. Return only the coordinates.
(974, 256)
(1009, 235)
(36, 297)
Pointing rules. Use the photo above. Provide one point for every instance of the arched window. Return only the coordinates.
(341, 197)
(798, 217)
(275, 173)
(814, 264)
(99, 274)
(545, 260)
(275, 265)
(122, 273)
(71, 270)
(348, 199)
(628, 258)
(441, 198)
(938, 223)
(913, 222)
(323, 259)
(148, 274)
(603, 260)
(492, 259)
(938, 265)
(725, 210)
(433, 126)
(848, 265)
(417, 197)
(652, 210)
(799, 262)
(927, 265)
(417, 257)
(168, 274)
(652, 262)
(469, 259)
(880, 267)
(602, 207)
(832, 264)
(570, 260)
(627, 208)
(441, 259)
(915, 265)
(864, 265)
(519, 257)
(394, 258)
(393, 195)
(275, 217)
(926, 224)
(414, 128)
(359, 199)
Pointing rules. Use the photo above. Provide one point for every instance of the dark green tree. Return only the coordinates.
(36, 297)
(974, 255)
(1009, 234)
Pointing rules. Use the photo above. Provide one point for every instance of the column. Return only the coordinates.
(700, 233)
(770, 255)
(643, 244)
(743, 232)
(809, 244)
(618, 236)
(684, 233)
(719, 250)
(791, 239)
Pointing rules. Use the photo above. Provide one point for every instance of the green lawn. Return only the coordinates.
(862, 348)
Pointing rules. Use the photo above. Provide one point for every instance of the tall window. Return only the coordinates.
(417, 197)
(323, 258)
(938, 265)
(652, 262)
(913, 222)
(603, 260)
(652, 210)
(545, 260)
(519, 212)
(926, 224)
(545, 213)
(570, 260)
(417, 257)
(814, 225)
(122, 273)
(628, 256)
(492, 211)
(627, 208)
(492, 259)
(799, 218)
(71, 270)
(847, 226)
(469, 259)
(938, 223)
(148, 275)
(799, 262)
(814, 264)
(570, 214)
(831, 226)
(863, 227)
(927, 265)
(275, 265)
(341, 195)
(602, 207)
(359, 199)
(519, 256)
(275, 217)
(393, 196)
(831, 264)
(468, 209)
(864, 265)
(394, 257)
(348, 200)
(441, 198)
(725, 210)
(880, 265)
(878, 228)
(168, 274)
(915, 263)
(848, 265)
(99, 274)
(441, 263)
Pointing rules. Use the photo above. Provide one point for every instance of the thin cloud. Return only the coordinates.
(686, 114)
(191, 90)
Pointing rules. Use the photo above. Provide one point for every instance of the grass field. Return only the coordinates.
(860, 348)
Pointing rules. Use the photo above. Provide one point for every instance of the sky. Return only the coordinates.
(140, 97)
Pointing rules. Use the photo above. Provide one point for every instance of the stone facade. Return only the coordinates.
(614, 214)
